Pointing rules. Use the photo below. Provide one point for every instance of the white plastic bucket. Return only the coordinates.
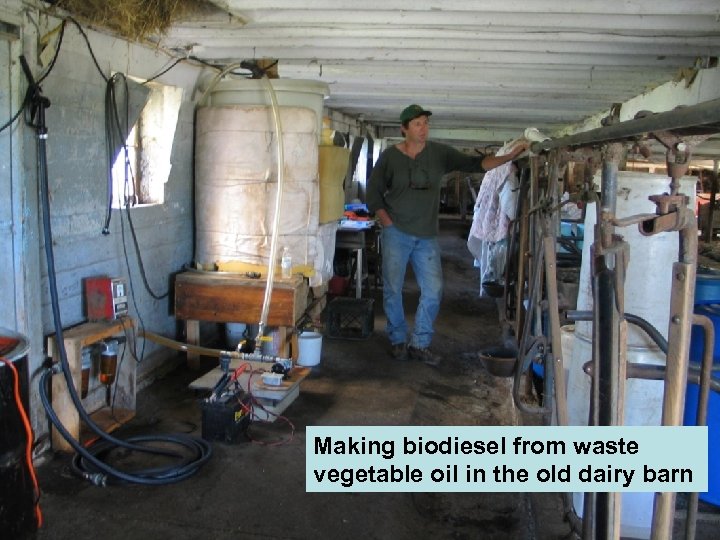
(310, 347)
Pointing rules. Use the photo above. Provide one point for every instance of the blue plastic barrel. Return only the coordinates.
(707, 302)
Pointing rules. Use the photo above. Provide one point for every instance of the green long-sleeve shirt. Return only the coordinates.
(409, 189)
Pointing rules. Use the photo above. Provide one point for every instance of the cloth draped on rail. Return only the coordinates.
(494, 210)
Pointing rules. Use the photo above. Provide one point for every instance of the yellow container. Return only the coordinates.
(333, 166)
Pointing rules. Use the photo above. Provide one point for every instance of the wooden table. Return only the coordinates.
(227, 297)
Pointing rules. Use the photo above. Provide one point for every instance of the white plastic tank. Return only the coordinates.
(237, 177)
(647, 294)
(289, 93)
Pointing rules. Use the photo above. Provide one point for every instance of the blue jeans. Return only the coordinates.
(399, 248)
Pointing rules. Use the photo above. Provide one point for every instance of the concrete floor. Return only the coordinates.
(253, 490)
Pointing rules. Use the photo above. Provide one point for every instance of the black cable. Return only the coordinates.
(57, 53)
(15, 116)
(163, 72)
(87, 42)
(132, 287)
(27, 97)
(141, 265)
(113, 128)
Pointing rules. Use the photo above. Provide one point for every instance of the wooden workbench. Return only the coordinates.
(226, 297)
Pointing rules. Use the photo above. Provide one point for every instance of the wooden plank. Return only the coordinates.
(219, 297)
(106, 419)
(192, 337)
(296, 376)
(61, 400)
(268, 410)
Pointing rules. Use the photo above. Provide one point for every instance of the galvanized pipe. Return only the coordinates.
(694, 115)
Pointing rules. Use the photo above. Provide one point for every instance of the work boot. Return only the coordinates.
(424, 354)
(399, 351)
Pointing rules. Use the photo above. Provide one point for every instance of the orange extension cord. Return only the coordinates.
(30, 438)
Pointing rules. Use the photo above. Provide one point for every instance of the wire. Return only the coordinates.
(163, 72)
(29, 438)
(87, 42)
(254, 401)
(141, 265)
(239, 370)
(115, 127)
(15, 117)
(115, 135)
(132, 288)
(58, 45)
(26, 98)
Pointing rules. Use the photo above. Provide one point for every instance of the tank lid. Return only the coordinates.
(233, 84)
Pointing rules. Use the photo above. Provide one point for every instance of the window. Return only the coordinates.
(142, 167)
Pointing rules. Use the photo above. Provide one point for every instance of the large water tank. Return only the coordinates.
(237, 177)
(648, 283)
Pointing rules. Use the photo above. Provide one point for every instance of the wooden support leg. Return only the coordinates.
(192, 337)
(62, 402)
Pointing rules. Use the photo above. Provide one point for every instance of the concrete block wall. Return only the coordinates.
(77, 186)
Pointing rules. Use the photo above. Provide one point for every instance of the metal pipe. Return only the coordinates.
(707, 112)
(554, 314)
(523, 250)
(701, 418)
(681, 306)
(653, 372)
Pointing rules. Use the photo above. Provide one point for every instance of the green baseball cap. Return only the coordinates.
(411, 112)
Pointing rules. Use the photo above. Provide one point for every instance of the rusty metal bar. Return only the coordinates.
(704, 113)
(701, 417)
(558, 365)
(681, 306)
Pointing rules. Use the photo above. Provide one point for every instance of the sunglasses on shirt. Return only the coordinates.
(419, 177)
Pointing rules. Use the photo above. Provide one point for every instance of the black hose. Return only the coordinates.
(201, 451)
(638, 321)
(87, 465)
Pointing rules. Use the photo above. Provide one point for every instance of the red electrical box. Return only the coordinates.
(106, 298)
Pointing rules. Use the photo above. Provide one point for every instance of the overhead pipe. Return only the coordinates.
(701, 114)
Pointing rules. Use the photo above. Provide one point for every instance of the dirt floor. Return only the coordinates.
(256, 490)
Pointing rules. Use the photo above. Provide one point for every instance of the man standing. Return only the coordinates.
(404, 195)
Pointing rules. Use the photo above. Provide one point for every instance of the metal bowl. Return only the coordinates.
(499, 361)
(494, 289)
